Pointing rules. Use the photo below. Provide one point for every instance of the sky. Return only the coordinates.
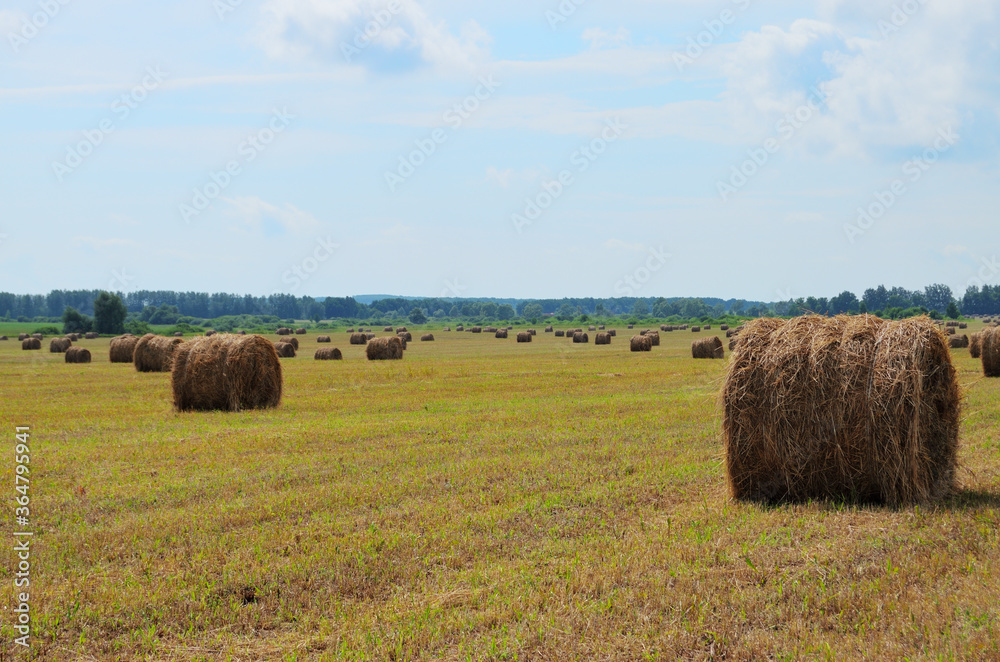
(550, 148)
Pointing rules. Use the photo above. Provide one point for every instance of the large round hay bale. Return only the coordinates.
(59, 345)
(447, 329)
(560, 334)
(641, 344)
(523, 336)
(350, 330)
(613, 333)
(178, 334)
(387, 329)
(459, 328)
(31, 343)
(293, 341)
(631, 326)
(708, 348)
(209, 333)
(848, 407)
(580, 338)
(724, 327)
(323, 339)
(284, 331)
(369, 335)
(405, 335)
(963, 325)
(300, 332)
(23, 336)
(385, 349)
(328, 354)
(427, 337)
(78, 355)
(591, 328)
(602, 339)
(122, 348)
(401, 329)
(533, 332)
(154, 353)
(284, 349)
(952, 330)
(707, 327)
(91, 335)
(990, 350)
(4, 338)
(952, 324)
(72, 337)
(358, 339)
(549, 329)
(695, 329)
(477, 329)
(976, 345)
(959, 342)
(654, 337)
(501, 333)
(226, 372)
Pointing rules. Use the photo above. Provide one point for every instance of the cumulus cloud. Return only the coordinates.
(379, 35)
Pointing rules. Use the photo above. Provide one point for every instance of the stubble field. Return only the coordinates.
(479, 500)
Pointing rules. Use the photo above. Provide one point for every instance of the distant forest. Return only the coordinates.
(167, 306)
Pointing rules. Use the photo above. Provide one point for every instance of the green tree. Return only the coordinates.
(505, 312)
(417, 316)
(316, 311)
(640, 309)
(109, 314)
(953, 312)
(75, 322)
(533, 312)
(566, 312)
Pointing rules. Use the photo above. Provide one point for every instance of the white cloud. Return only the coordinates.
(365, 32)
(255, 214)
(599, 38)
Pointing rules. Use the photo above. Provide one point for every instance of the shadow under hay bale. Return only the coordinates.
(328, 354)
(641, 344)
(226, 372)
(848, 407)
(427, 337)
(990, 350)
(708, 348)
(385, 349)
(154, 353)
(284, 349)
(78, 355)
(31, 344)
(59, 345)
(523, 336)
(122, 348)
(602, 339)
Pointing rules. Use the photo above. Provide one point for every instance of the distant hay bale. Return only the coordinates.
(387, 329)
(664, 327)
(708, 348)
(600, 327)
(459, 328)
(477, 329)
(323, 339)
(31, 343)
(976, 345)
(533, 332)
(284, 331)
(560, 334)
(490, 329)
(385, 349)
(959, 342)
(848, 407)
(641, 344)
(23, 336)
(952, 330)
(293, 341)
(285, 350)
(447, 329)
(732, 344)
(401, 329)
(580, 338)
(707, 327)
(328, 354)
(724, 327)
(226, 372)
(4, 338)
(613, 333)
(405, 335)
(695, 329)
(358, 339)
(122, 348)
(427, 337)
(990, 351)
(369, 335)
(78, 355)
(501, 333)
(952, 324)
(654, 337)
(73, 337)
(963, 325)
(59, 345)
(591, 328)
(154, 353)
(522, 336)
(549, 329)
(351, 330)
(402, 340)
(178, 334)
(209, 333)
(730, 334)
(602, 339)
(91, 335)
(631, 326)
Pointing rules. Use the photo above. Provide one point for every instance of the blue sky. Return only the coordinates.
(119, 120)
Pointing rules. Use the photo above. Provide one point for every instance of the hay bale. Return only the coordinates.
(990, 350)
(724, 327)
(293, 341)
(654, 337)
(405, 335)
(549, 329)
(631, 326)
(59, 345)
(602, 339)
(328, 354)
(707, 327)
(580, 338)
(613, 333)
(209, 333)
(73, 337)
(560, 334)
(959, 342)
(178, 334)
(447, 329)
(78, 355)
(591, 328)
(387, 329)
(848, 407)
(533, 332)
(284, 331)
(323, 339)
(477, 329)
(521, 337)
(385, 349)
(708, 348)
(963, 325)
(31, 343)
(154, 353)
(351, 330)
(427, 337)
(358, 339)
(976, 345)
(123, 348)
(3, 338)
(695, 329)
(732, 344)
(641, 344)
(502, 334)
(730, 334)
(22, 336)
(369, 335)
(38, 336)
(226, 372)
(952, 324)
(285, 350)
(459, 328)
(401, 329)
(91, 335)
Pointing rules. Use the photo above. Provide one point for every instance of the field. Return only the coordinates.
(479, 500)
